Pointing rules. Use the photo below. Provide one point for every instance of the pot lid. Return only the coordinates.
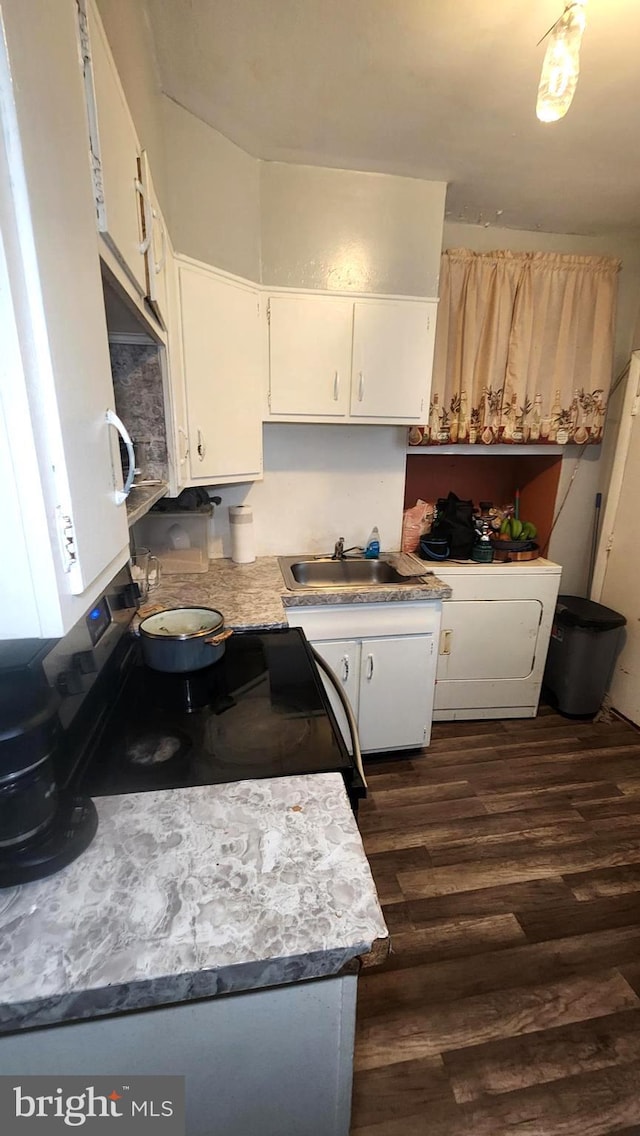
(182, 623)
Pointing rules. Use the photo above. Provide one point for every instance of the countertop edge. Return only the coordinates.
(241, 978)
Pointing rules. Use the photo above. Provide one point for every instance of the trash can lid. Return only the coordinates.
(574, 611)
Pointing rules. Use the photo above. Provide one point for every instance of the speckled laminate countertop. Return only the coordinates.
(254, 595)
(189, 894)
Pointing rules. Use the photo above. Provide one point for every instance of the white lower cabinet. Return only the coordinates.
(494, 639)
(267, 1062)
(395, 676)
(343, 656)
(384, 656)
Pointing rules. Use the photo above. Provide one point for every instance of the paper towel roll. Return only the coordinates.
(241, 525)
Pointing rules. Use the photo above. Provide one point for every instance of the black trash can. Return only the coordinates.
(585, 639)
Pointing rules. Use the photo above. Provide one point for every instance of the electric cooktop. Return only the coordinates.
(260, 711)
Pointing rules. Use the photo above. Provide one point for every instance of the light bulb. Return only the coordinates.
(561, 65)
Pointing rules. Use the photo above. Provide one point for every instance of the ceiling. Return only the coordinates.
(424, 88)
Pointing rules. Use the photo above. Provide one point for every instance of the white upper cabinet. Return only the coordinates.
(310, 355)
(55, 375)
(156, 242)
(222, 358)
(114, 151)
(335, 360)
(178, 397)
(393, 345)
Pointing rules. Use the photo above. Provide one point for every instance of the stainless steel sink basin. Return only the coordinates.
(300, 574)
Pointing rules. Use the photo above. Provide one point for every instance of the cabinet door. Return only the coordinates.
(396, 692)
(221, 353)
(393, 345)
(55, 375)
(309, 355)
(343, 656)
(114, 150)
(157, 246)
(488, 651)
(180, 471)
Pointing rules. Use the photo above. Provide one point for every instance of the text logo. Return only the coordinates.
(114, 1106)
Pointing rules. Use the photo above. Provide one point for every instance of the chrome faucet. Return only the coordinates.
(338, 552)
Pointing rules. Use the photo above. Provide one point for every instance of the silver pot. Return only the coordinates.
(183, 639)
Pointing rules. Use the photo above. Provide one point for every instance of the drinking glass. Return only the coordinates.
(145, 571)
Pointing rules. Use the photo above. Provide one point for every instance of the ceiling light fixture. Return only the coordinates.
(561, 65)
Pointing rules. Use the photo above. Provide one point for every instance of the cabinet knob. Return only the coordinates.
(336, 386)
(69, 682)
(345, 668)
(369, 667)
(360, 386)
(202, 446)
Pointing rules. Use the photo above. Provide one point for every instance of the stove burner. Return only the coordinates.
(151, 749)
(244, 738)
(186, 693)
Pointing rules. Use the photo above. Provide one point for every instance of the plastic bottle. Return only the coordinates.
(372, 550)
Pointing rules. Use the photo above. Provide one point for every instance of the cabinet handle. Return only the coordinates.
(202, 446)
(336, 386)
(185, 455)
(360, 386)
(158, 268)
(369, 667)
(148, 217)
(113, 420)
(345, 668)
(445, 642)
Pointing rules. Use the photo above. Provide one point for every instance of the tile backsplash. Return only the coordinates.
(137, 381)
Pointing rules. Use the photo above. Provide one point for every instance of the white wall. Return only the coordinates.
(213, 194)
(344, 229)
(320, 483)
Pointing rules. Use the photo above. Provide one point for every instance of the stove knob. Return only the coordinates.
(69, 682)
(84, 662)
(129, 597)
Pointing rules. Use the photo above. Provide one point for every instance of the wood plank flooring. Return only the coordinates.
(507, 861)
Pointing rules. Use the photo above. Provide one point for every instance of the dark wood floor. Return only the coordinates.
(507, 860)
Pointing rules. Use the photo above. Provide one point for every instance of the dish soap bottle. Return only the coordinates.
(372, 551)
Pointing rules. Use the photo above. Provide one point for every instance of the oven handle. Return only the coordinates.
(353, 726)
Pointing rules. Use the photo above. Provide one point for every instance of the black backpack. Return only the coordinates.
(454, 523)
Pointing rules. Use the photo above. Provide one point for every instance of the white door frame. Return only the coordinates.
(630, 408)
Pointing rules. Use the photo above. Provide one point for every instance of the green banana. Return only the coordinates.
(516, 529)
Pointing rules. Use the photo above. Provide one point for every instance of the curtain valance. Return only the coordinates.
(524, 349)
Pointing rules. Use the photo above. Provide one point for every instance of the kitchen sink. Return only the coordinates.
(322, 572)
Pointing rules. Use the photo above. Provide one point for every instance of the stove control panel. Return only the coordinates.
(98, 620)
(75, 662)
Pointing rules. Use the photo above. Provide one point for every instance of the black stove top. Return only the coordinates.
(260, 711)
